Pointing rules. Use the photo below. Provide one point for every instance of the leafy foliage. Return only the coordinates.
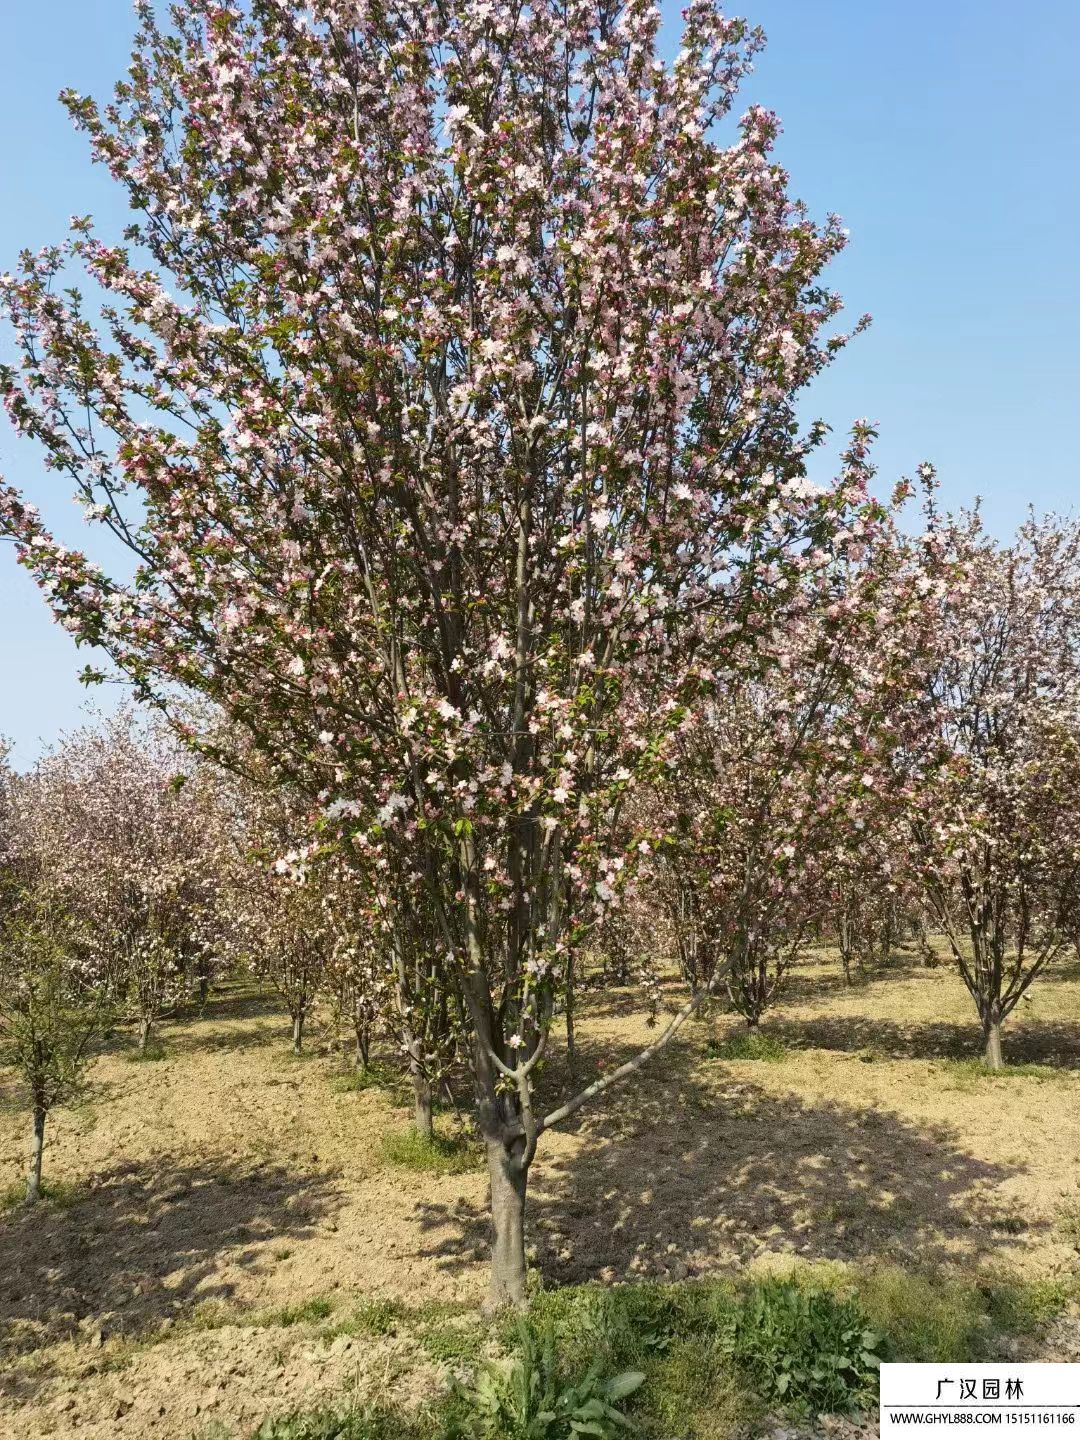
(806, 1348)
(529, 1396)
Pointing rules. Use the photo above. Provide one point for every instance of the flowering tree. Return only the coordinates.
(127, 844)
(473, 404)
(361, 985)
(287, 929)
(993, 761)
(54, 997)
(771, 775)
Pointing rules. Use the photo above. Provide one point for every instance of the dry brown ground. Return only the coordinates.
(230, 1174)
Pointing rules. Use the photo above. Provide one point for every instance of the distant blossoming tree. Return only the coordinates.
(771, 774)
(54, 992)
(471, 405)
(126, 836)
(993, 761)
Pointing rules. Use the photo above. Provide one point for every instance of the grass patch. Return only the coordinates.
(373, 1317)
(215, 1315)
(969, 1074)
(306, 1312)
(1067, 1224)
(449, 1332)
(59, 1194)
(952, 1320)
(439, 1155)
(748, 1045)
(149, 1056)
(715, 1358)
(715, 1355)
(366, 1424)
(209, 1315)
(377, 1076)
(1026, 1309)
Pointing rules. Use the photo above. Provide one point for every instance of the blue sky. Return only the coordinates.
(944, 131)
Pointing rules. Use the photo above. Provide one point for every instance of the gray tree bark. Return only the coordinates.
(33, 1180)
(992, 1042)
(509, 1182)
(423, 1108)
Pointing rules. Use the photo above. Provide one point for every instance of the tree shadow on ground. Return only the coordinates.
(683, 1177)
(1040, 1042)
(137, 1247)
(598, 1001)
(274, 1030)
(235, 1003)
(235, 1019)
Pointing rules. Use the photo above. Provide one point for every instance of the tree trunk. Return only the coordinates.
(508, 1185)
(33, 1180)
(571, 1043)
(423, 1104)
(992, 1042)
(752, 1021)
(298, 1032)
(204, 991)
(144, 1033)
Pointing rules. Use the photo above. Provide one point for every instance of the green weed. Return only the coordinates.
(367, 1424)
(149, 1056)
(441, 1155)
(373, 1317)
(306, 1312)
(531, 1396)
(60, 1194)
(748, 1045)
(377, 1076)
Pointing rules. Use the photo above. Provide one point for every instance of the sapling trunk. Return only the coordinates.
(144, 1033)
(33, 1180)
(571, 1043)
(992, 1043)
(423, 1108)
(298, 1032)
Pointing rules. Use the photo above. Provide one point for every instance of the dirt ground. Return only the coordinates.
(229, 1180)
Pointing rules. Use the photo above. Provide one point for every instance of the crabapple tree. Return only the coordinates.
(769, 778)
(993, 761)
(445, 394)
(54, 991)
(123, 832)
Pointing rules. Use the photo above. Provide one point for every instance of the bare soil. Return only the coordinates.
(207, 1192)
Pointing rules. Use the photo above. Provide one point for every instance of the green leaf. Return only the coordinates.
(625, 1384)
